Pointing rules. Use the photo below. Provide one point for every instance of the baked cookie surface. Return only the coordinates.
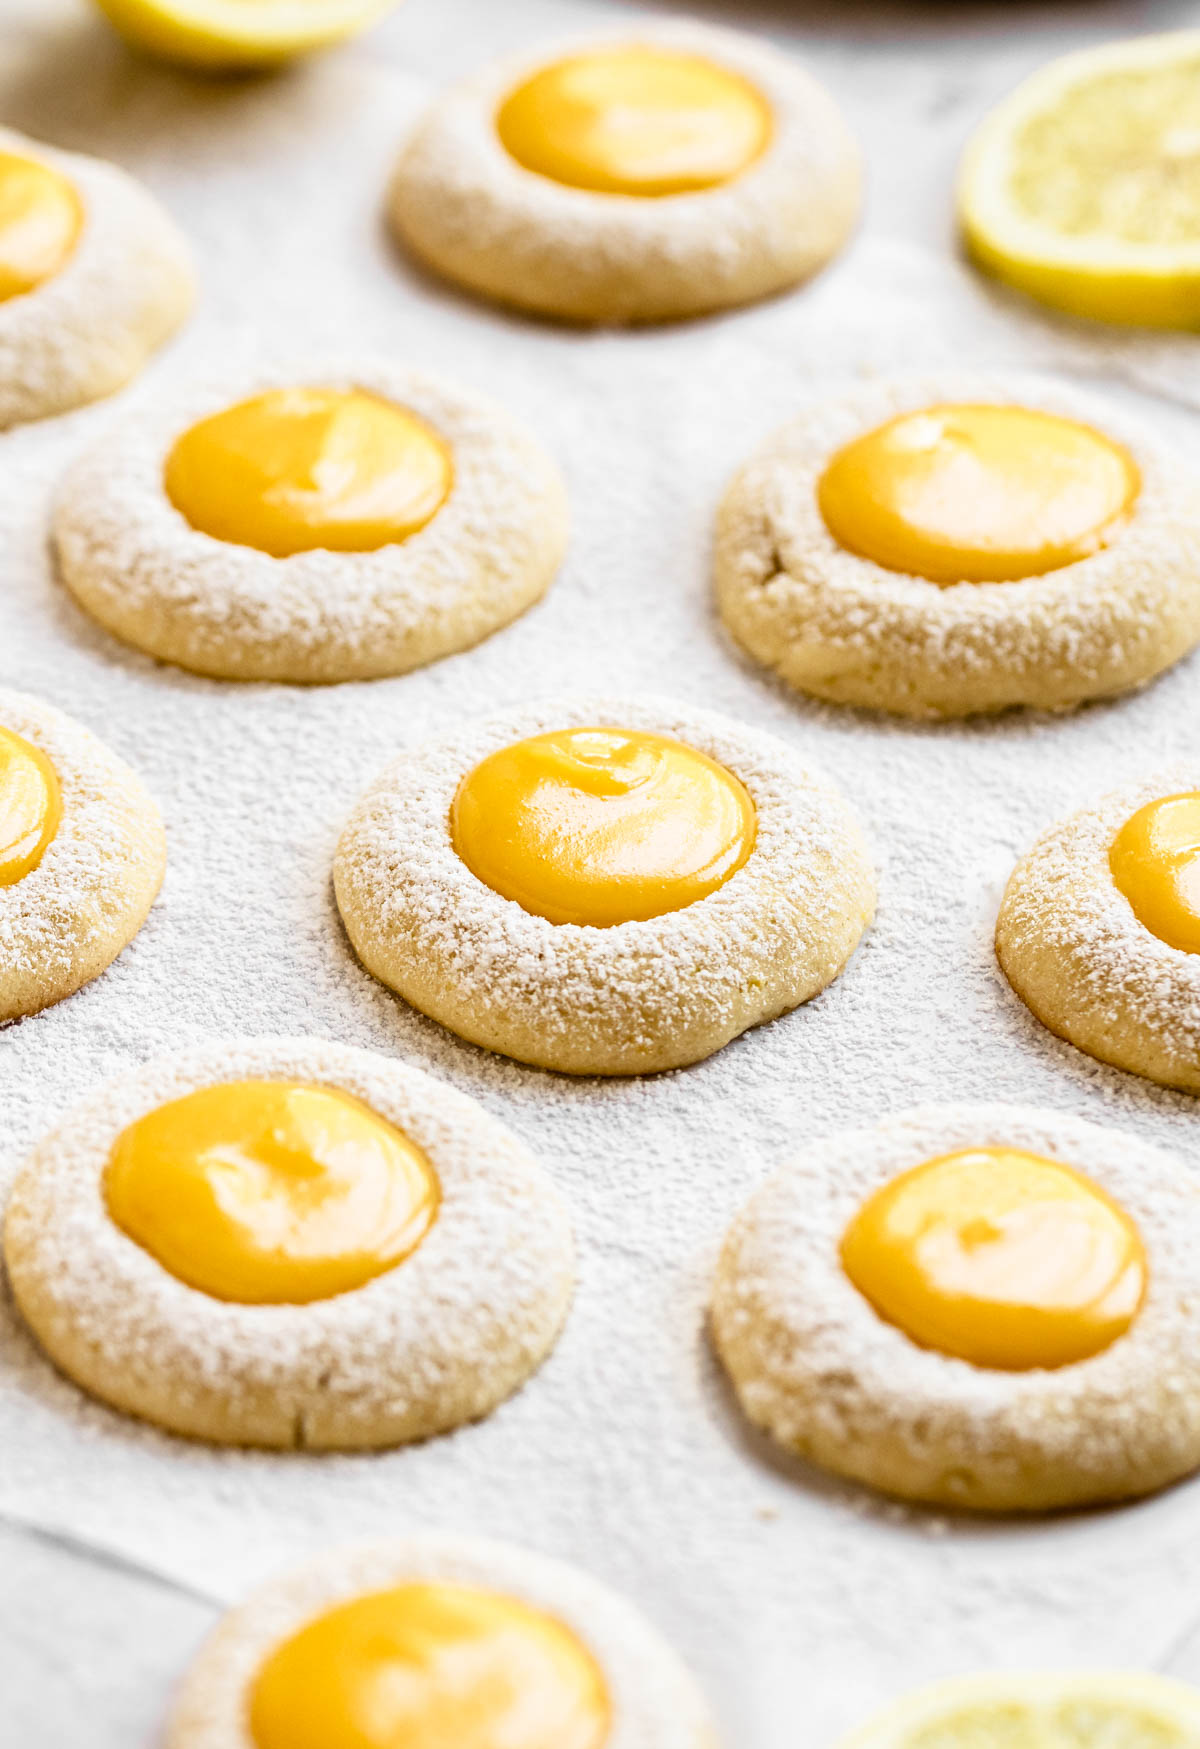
(94, 276)
(82, 855)
(361, 1258)
(1076, 533)
(768, 910)
(450, 1640)
(1097, 1263)
(236, 530)
(636, 176)
(1093, 936)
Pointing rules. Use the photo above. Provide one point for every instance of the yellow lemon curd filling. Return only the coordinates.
(602, 826)
(1000, 1258)
(1155, 862)
(978, 494)
(301, 468)
(41, 217)
(30, 807)
(271, 1192)
(635, 120)
(430, 1666)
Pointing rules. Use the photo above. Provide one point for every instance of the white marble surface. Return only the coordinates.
(93, 1628)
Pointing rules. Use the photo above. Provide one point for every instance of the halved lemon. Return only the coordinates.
(1080, 1709)
(1083, 187)
(232, 35)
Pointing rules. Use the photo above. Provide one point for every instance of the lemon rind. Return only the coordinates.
(224, 34)
(1039, 1689)
(1142, 284)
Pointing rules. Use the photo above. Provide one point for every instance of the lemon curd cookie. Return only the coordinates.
(631, 177)
(289, 1243)
(603, 887)
(82, 855)
(345, 525)
(943, 546)
(437, 1641)
(93, 278)
(1099, 928)
(1053, 1709)
(974, 1305)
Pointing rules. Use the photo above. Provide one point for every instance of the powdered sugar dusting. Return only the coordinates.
(127, 285)
(655, 1702)
(1065, 919)
(646, 994)
(68, 917)
(135, 562)
(438, 1340)
(845, 628)
(464, 205)
(817, 1367)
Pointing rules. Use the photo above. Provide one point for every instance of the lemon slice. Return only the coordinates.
(1083, 187)
(231, 35)
(1082, 1709)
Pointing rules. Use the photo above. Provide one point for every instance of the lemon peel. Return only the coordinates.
(1039, 1710)
(1082, 188)
(222, 36)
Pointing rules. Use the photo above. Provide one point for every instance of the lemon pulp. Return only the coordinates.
(235, 35)
(1083, 188)
(1039, 1710)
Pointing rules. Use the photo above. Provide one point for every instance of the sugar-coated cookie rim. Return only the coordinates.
(487, 554)
(459, 127)
(127, 285)
(1109, 962)
(656, 1701)
(799, 815)
(886, 616)
(69, 917)
(163, 1346)
(817, 1367)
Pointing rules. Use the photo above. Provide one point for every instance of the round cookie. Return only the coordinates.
(615, 210)
(93, 278)
(837, 1377)
(1110, 599)
(440, 1639)
(82, 855)
(768, 909)
(472, 529)
(1077, 953)
(133, 1198)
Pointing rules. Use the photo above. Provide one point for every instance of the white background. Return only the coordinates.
(799, 1602)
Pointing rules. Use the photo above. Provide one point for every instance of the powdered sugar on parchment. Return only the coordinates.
(797, 1600)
